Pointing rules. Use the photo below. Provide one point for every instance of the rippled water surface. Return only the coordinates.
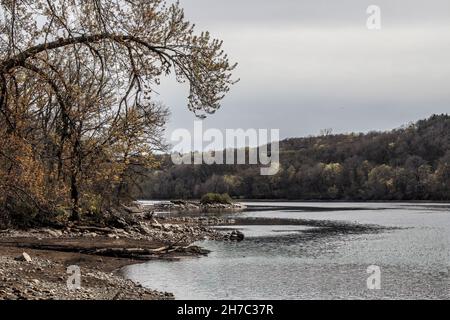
(317, 251)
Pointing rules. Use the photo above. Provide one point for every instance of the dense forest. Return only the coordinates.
(409, 163)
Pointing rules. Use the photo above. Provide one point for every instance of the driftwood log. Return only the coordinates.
(129, 253)
(93, 229)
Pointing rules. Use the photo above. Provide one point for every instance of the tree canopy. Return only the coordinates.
(77, 113)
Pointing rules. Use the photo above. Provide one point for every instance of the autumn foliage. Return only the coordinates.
(78, 119)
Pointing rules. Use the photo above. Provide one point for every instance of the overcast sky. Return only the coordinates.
(309, 65)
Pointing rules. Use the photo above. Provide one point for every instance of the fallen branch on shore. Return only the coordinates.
(129, 253)
(93, 229)
(141, 251)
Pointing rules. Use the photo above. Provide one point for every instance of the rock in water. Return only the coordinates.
(24, 257)
(236, 235)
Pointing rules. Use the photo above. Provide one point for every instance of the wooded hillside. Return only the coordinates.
(409, 163)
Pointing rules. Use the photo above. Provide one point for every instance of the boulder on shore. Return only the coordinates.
(25, 257)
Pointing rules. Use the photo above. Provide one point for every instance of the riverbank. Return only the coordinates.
(99, 252)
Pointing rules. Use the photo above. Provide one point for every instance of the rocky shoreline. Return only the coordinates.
(46, 279)
(191, 206)
(99, 252)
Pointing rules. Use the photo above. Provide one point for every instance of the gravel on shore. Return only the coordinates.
(45, 279)
(46, 276)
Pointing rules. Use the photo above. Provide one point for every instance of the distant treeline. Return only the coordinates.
(410, 163)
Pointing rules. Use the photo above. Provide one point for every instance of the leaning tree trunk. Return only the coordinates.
(75, 196)
(76, 169)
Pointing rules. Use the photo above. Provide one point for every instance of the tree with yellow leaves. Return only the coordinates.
(77, 118)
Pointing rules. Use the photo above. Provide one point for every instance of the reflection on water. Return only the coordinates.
(266, 231)
(323, 257)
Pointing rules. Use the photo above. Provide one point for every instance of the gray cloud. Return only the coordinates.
(307, 65)
(317, 12)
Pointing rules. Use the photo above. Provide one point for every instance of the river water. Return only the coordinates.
(296, 250)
